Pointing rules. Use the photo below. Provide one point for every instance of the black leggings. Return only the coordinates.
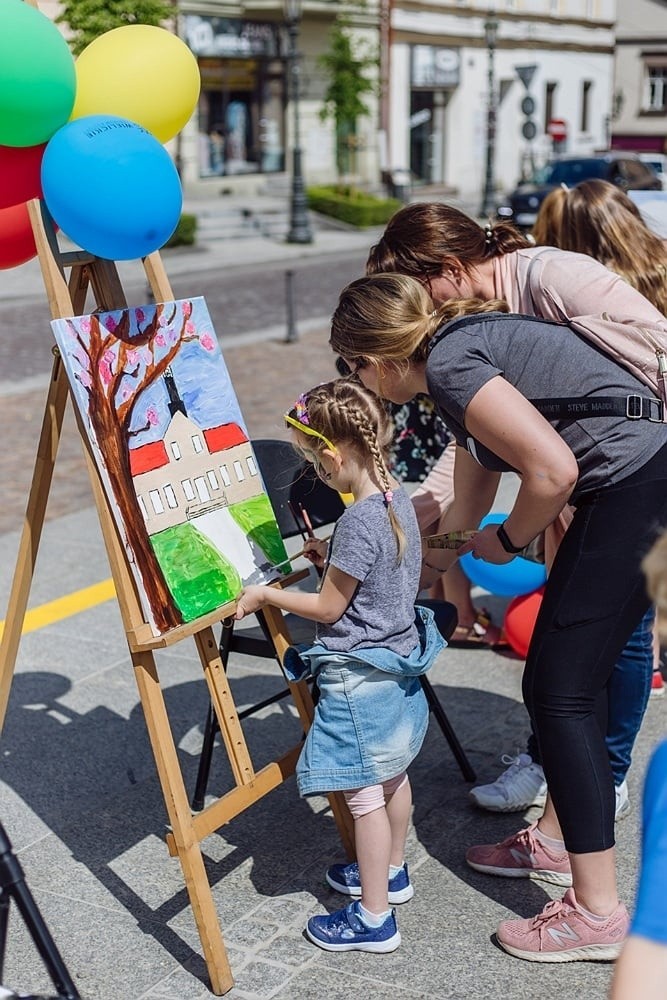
(595, 597)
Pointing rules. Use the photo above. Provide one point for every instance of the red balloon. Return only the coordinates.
(20, 168)
(17, 243)
(520, 618)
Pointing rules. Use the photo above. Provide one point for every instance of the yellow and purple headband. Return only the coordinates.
(302, 421)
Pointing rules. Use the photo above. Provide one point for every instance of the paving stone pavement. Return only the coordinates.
(82, 805)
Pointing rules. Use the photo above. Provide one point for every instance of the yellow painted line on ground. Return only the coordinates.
(65, 607)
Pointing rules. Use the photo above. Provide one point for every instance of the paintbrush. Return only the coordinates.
(296, 555)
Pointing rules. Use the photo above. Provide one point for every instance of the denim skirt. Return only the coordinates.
(369, 725)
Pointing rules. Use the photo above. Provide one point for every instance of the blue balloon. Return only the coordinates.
(512, 579)
(111, 187)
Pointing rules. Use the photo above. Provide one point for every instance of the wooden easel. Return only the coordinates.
(68, 298)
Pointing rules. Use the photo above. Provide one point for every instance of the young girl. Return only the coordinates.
(370, 648)
(483, 371)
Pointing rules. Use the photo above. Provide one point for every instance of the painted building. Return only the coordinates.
(640, 87)
(191, 472)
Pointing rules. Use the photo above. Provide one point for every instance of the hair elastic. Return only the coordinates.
(388, 496)
(488, 233)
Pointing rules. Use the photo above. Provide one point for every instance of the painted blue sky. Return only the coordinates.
(199, 371)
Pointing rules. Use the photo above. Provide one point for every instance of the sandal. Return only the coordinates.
(477, 634)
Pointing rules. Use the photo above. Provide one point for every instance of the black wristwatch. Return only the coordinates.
(506, 542)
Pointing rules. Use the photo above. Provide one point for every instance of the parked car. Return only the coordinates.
(624, 169)
(659, 163)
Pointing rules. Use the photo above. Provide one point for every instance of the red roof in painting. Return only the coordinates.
(225, 436)
(148, 457)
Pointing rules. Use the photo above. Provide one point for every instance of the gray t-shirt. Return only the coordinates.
(542, 360)
(363, 545)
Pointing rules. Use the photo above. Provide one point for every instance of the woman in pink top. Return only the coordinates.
(455, 258)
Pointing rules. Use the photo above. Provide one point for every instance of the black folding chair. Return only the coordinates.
(293, 487)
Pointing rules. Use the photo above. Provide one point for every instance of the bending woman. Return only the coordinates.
(453, 256)
(482, 371)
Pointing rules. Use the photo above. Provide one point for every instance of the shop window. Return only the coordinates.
(241, 116)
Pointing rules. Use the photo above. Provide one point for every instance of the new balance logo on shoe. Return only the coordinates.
(563, 933)
(525, 858)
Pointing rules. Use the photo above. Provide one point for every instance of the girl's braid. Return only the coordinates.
(368, 433)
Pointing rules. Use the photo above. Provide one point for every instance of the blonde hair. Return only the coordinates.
(547, 229)
(390, 317)
(344, 412)
(600, 220)
(655, 568)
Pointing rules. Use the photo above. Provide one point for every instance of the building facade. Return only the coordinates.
(440, 59)
(547, 77)
(640, 87)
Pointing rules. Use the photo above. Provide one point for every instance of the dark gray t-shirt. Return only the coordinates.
(542, 360)
(363, 545)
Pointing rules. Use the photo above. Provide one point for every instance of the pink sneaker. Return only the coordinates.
(562, 932)
(521, 856)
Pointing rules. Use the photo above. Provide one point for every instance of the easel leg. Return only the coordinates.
(180, 818)
(54, 411)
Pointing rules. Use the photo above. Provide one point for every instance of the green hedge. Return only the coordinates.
(185, 233)
(351, 205)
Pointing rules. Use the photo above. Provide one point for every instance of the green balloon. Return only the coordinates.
(37, 76)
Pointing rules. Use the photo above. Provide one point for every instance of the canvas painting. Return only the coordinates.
(173, 454)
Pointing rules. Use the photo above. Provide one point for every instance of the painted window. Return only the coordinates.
(170, 495)
(196, 443)
(212, 479)
(188, 490)
(156, 500)
(238, 469)
(175, 450)
(142, 508)
(202, 489)
(225, 475)
(252, 468)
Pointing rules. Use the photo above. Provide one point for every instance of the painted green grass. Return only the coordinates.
(256, 519)
(199, 577)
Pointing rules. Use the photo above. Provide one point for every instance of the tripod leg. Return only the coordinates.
(13, 885)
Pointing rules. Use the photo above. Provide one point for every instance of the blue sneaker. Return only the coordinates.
(344, 930)
(345, 879)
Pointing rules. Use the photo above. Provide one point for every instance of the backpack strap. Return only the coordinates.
(634, 407)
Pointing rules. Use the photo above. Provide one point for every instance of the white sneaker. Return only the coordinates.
(623, 806)
(520, 786)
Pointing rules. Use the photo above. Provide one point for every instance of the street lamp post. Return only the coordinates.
(299, 230)
(488, 200)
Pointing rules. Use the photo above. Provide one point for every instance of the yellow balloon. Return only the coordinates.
(139, 72)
